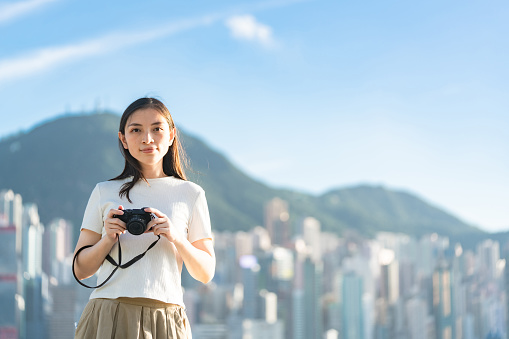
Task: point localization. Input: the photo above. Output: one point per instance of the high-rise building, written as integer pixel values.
(416, 312)
(389, 276)
(277, 221)
(311, 235)
(243, 244)
(307, 315)
(32, 317)
(226, 261)
(250, 271)
(261, 239)
(443, 306)
(8, 282)
(11, 208)
(56, 266)
(352, 310)
(488, 253)
(267, 306)
(57, 250)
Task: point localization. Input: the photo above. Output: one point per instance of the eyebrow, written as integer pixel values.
(136, 124)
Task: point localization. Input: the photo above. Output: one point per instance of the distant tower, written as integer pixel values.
(307, 315)
(32, 317)
(443, 302)
(11, 208)
(489, 254)
(311, 234)
(352, 311)
(57, 257)
(250, 273)
(389, 277)
(416, 313)
(8, 282)
(277, 221)
(57, 247)
(11, 276)
(261, 239)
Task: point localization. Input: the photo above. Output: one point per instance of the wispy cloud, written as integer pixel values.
(12, 10)
(48, 58)
(245, 27)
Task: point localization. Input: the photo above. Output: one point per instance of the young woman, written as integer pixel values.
(145, 299)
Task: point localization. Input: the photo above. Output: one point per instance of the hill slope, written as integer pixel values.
(57, 164)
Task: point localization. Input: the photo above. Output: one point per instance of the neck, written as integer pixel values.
(153, 172)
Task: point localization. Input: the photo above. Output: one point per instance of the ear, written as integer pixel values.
(172, 136)
(122, 139)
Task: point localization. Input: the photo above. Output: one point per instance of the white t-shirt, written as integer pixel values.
(157, 274)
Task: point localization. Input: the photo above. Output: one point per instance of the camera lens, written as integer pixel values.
(136, 226)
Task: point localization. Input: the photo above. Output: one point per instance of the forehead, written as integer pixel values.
(146, 116)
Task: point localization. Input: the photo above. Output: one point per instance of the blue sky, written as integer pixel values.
(309, 95)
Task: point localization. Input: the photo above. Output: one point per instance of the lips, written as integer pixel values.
(148, 150)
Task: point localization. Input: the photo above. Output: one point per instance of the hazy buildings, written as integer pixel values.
(272, 282)
(34, 261)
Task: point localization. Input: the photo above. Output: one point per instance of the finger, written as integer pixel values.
(158, 213)
(114, 228)
(160, 229)
(115, 221)
(113, 212)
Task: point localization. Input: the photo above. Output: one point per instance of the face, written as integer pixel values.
(148, 138)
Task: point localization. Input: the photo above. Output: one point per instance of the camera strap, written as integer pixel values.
(112, 261)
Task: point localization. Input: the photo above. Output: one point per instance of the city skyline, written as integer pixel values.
(409, 96)
(268, 284)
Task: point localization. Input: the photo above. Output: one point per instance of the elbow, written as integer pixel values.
(206, 276)
(81, 276)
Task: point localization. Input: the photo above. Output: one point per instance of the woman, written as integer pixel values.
(144, 300)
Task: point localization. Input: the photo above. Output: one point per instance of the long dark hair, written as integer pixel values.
(174, 160)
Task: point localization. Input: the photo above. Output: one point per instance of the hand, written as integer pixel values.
(114, 227)
(161, 226)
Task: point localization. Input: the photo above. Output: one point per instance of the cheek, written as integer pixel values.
(130, 142)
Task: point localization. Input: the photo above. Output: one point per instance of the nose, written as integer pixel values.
(147, 138)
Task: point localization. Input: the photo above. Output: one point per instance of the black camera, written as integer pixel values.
(136, 220)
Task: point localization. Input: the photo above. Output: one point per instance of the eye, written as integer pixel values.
(157, 129)
(135, 130)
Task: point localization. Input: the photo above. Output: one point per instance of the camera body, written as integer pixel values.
(136, 220)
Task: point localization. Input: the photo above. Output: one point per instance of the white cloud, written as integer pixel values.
(47, 58)
(11, 10)
(245, 27)
(242, 27)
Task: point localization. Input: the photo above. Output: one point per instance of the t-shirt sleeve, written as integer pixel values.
(93, 218)
(199, 223)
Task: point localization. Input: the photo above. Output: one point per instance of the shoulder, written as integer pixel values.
(110, 185)
(180, 184)
(191, 186)
(178, 189)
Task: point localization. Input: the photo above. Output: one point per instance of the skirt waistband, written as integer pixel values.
(146, 302)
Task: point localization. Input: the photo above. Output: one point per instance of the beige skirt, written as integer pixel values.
(132, 318)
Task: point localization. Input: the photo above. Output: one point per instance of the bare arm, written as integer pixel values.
(199, 256)
(90, 259)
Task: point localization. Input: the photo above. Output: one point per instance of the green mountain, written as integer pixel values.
(57, 164)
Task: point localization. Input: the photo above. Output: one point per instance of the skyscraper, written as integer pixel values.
(352, 312)
(443, 306)
(8, 282)
(307, 315)
(311, 236)
(277, 221)
(33, 314)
